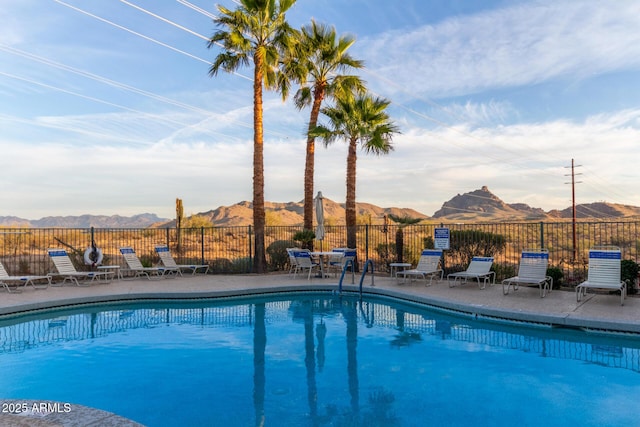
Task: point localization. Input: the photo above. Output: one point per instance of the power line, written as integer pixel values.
(269, 132)
(165, 20)
(197, 9)
(106, 21)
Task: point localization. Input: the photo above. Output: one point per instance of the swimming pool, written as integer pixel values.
(317, 360)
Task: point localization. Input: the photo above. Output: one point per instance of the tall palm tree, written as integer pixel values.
(256, 30)
(360, 119)
(317, 64)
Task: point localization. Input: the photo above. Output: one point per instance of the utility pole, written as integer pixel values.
(573, 204)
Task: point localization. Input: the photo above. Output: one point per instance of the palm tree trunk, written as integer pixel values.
(308, 184)
(350, 205)
(259, 346)
(260, 260)
(309, 167)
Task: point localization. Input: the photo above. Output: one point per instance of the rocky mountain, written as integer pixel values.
(85, 221)
(475, 206)
(291, 213)
(599, 210)
(483, 205)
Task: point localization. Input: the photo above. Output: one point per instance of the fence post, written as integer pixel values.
(541, 235)
(250, 252)
(366, 242)
(167, 235)
(202, 245)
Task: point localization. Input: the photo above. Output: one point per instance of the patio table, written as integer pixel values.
(323, 256)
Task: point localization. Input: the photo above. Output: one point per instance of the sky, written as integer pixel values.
(107, 107)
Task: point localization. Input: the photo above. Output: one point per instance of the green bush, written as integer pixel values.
(629, 274)
(146, 260)
(278, 257)
(305, 237)
(428, 243)
(557, 275)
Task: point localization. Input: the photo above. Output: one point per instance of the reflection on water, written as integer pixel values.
(259, 346)
(410, 327)
(403, 326)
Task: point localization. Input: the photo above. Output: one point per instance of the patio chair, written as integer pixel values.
(478, 269)
(428, 266)
(11, 283)
(168, 261)
(68, 272)
(135, 267)
(303, 260)
(293, 263)
(532, 271)
(341, 259)
(604, 272)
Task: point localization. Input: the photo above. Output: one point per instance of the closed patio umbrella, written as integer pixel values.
(319, 216)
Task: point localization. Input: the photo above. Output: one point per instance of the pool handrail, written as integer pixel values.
(344, 270)
(367, 263)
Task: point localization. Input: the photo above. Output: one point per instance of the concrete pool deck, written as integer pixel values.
(559, 308)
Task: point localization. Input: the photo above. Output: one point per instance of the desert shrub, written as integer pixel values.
(278, 258)
(557, 275)
(146, 260)
(23, 267)
(576, 276)
(241, 265)
(195, 223)
(107, 260)
(386, 253)
(629, 274)
(220, 265)
(428, 243)
(503, 271)
(465, 244)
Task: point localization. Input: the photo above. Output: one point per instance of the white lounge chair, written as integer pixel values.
(293, 263)
(168, 261)
(532, 271)
(479, 269)
(134, 265)
(303, 260)
(604, 272)
(11, 283)
(66, 270)
(428, 266)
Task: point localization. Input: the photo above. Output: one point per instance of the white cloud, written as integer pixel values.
(525, 161)
(517, 45)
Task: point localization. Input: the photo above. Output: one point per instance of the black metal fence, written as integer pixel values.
(230, 249)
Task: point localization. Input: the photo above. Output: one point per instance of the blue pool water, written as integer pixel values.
(317, 360)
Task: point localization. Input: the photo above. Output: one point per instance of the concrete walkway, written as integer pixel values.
(559, 308)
